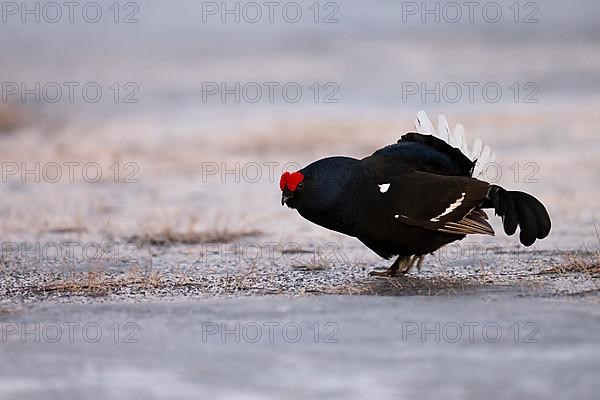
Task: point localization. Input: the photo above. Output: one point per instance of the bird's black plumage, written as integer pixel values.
(409, 199)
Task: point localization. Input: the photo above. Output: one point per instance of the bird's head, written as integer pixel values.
(292, 186)
(316, 187)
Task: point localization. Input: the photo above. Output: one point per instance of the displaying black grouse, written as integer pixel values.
(411, 198)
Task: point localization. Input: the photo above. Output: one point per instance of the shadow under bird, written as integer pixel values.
(410, 198)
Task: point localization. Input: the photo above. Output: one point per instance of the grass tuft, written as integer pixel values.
(586, 263)
(168, 237)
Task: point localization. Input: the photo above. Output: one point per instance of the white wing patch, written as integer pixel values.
(450, 208)
(384, 187)
(456, 139)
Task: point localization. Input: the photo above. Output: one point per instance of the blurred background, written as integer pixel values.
(161, 128)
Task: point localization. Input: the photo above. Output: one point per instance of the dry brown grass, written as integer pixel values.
(168, 237)
(317, 261)
(414, 285)
(586, 263)
(101, 284)
(98, 285)
(10, 118)
(405, 286)
(98, 282)
(91, 285)
(74, 224)
(67, 229)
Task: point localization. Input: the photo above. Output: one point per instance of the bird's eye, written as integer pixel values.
(300, 185)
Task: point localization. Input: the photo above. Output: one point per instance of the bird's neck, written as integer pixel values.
(342, 215)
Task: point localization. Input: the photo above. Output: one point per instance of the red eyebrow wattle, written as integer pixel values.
(283, 180)
(290, 181)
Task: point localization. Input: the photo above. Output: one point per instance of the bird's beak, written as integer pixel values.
(285, 197)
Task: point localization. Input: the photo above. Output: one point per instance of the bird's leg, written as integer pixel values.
(408, 264)
(414, 260)
(400, 262)
(420, 262)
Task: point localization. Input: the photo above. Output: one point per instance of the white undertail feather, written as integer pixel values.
(481, 154)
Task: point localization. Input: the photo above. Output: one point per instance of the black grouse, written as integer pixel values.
(410, 198)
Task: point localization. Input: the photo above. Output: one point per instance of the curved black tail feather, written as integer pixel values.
(522, 209)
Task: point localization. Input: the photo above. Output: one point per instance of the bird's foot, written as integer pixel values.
(387, 273)
(393, 269)
(401, 266)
